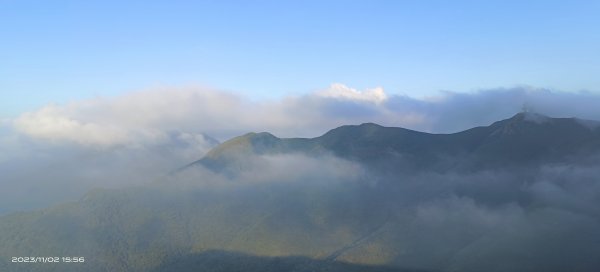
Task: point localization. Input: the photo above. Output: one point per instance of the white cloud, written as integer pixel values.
(54, 123)
(147, 117)
(341, 91)
(136, 119)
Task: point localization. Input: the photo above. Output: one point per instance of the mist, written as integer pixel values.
(130, 161)
(545, 217)
(58, 152)
(325, 207)
(37, 174)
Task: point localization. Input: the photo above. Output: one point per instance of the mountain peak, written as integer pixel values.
(362, 131)
(370, 124)
(528, 118)
(531, 117)
(247, 143)
(260, 136)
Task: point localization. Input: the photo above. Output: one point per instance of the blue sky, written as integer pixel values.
(60, 51)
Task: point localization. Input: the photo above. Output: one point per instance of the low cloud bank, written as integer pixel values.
(60, 151)
(544, 218)
(146, 116)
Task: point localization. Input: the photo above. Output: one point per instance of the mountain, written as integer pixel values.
(521, 194)
(525, 139)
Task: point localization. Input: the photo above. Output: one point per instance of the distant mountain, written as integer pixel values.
(523, 140)
(519, 195)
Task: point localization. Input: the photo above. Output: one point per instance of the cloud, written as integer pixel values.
(54, 123)
(145, 117)
(287, 169)
(343, 92)
(446, 221)
(155, 131)
(134, 119)
(427, 221)
(451, 111)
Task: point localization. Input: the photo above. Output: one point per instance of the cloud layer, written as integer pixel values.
(152, 132)
(543, 217)
(147, 116)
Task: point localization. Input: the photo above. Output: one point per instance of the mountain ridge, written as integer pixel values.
(522, 139)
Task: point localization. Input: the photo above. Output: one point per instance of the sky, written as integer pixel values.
(65, 51)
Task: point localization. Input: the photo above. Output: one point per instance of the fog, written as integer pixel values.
(37, 174)
(60, 151)
(319, 206)
(545, 216)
